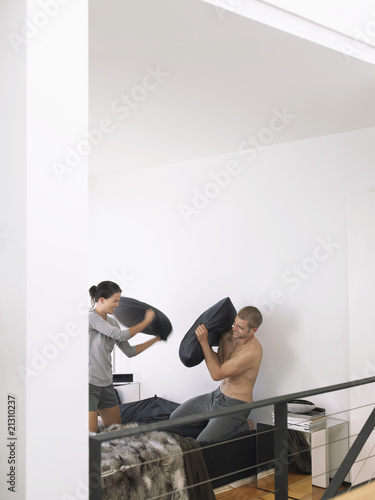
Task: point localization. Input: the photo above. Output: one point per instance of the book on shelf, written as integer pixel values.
(312, 420)
(310, 416)
(315, 425)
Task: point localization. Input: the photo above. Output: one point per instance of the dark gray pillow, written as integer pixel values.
(218, 319)
(131, 312)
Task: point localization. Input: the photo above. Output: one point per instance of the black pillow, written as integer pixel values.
(218, 319)
(131, 312)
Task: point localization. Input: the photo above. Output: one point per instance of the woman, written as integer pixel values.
(104, 334)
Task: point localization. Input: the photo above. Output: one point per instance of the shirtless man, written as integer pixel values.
(236, 364)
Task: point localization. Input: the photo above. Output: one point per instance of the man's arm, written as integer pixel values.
(225, 346)
(230, 368)
(202, 333)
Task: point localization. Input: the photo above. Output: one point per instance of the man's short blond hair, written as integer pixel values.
(252, 315)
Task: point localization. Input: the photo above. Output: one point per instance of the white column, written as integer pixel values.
(44, 263)
(361, 279)
(12, 253)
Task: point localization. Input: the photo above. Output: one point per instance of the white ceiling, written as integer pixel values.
(222, 78)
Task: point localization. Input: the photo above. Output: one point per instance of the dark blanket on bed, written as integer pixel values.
(147, 410)
(156, 409)
(197, 478)
(222, 458)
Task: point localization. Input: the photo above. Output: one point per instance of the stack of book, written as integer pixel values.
(311, 421)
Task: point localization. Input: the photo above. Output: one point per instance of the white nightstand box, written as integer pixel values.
(128, 391)
(325, 448)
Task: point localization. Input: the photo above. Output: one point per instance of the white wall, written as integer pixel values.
(274, 213)
(219, 76)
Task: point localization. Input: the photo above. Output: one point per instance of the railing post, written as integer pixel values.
(95, 477)
(281, 452)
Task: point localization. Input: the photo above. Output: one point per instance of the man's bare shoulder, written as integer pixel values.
(253, 348)
(257, 346)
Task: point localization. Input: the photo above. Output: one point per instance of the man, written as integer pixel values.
(236, 364)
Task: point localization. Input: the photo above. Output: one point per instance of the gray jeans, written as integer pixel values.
(218, 428)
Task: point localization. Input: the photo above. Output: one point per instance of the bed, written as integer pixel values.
(170, 464)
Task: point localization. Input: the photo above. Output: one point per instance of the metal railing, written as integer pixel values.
(280, 440)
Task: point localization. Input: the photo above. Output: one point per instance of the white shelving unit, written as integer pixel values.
(328, 447)
(128, 391)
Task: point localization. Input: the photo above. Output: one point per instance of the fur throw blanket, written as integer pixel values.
(148, 466)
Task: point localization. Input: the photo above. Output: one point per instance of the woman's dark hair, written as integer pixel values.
(105, 289)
